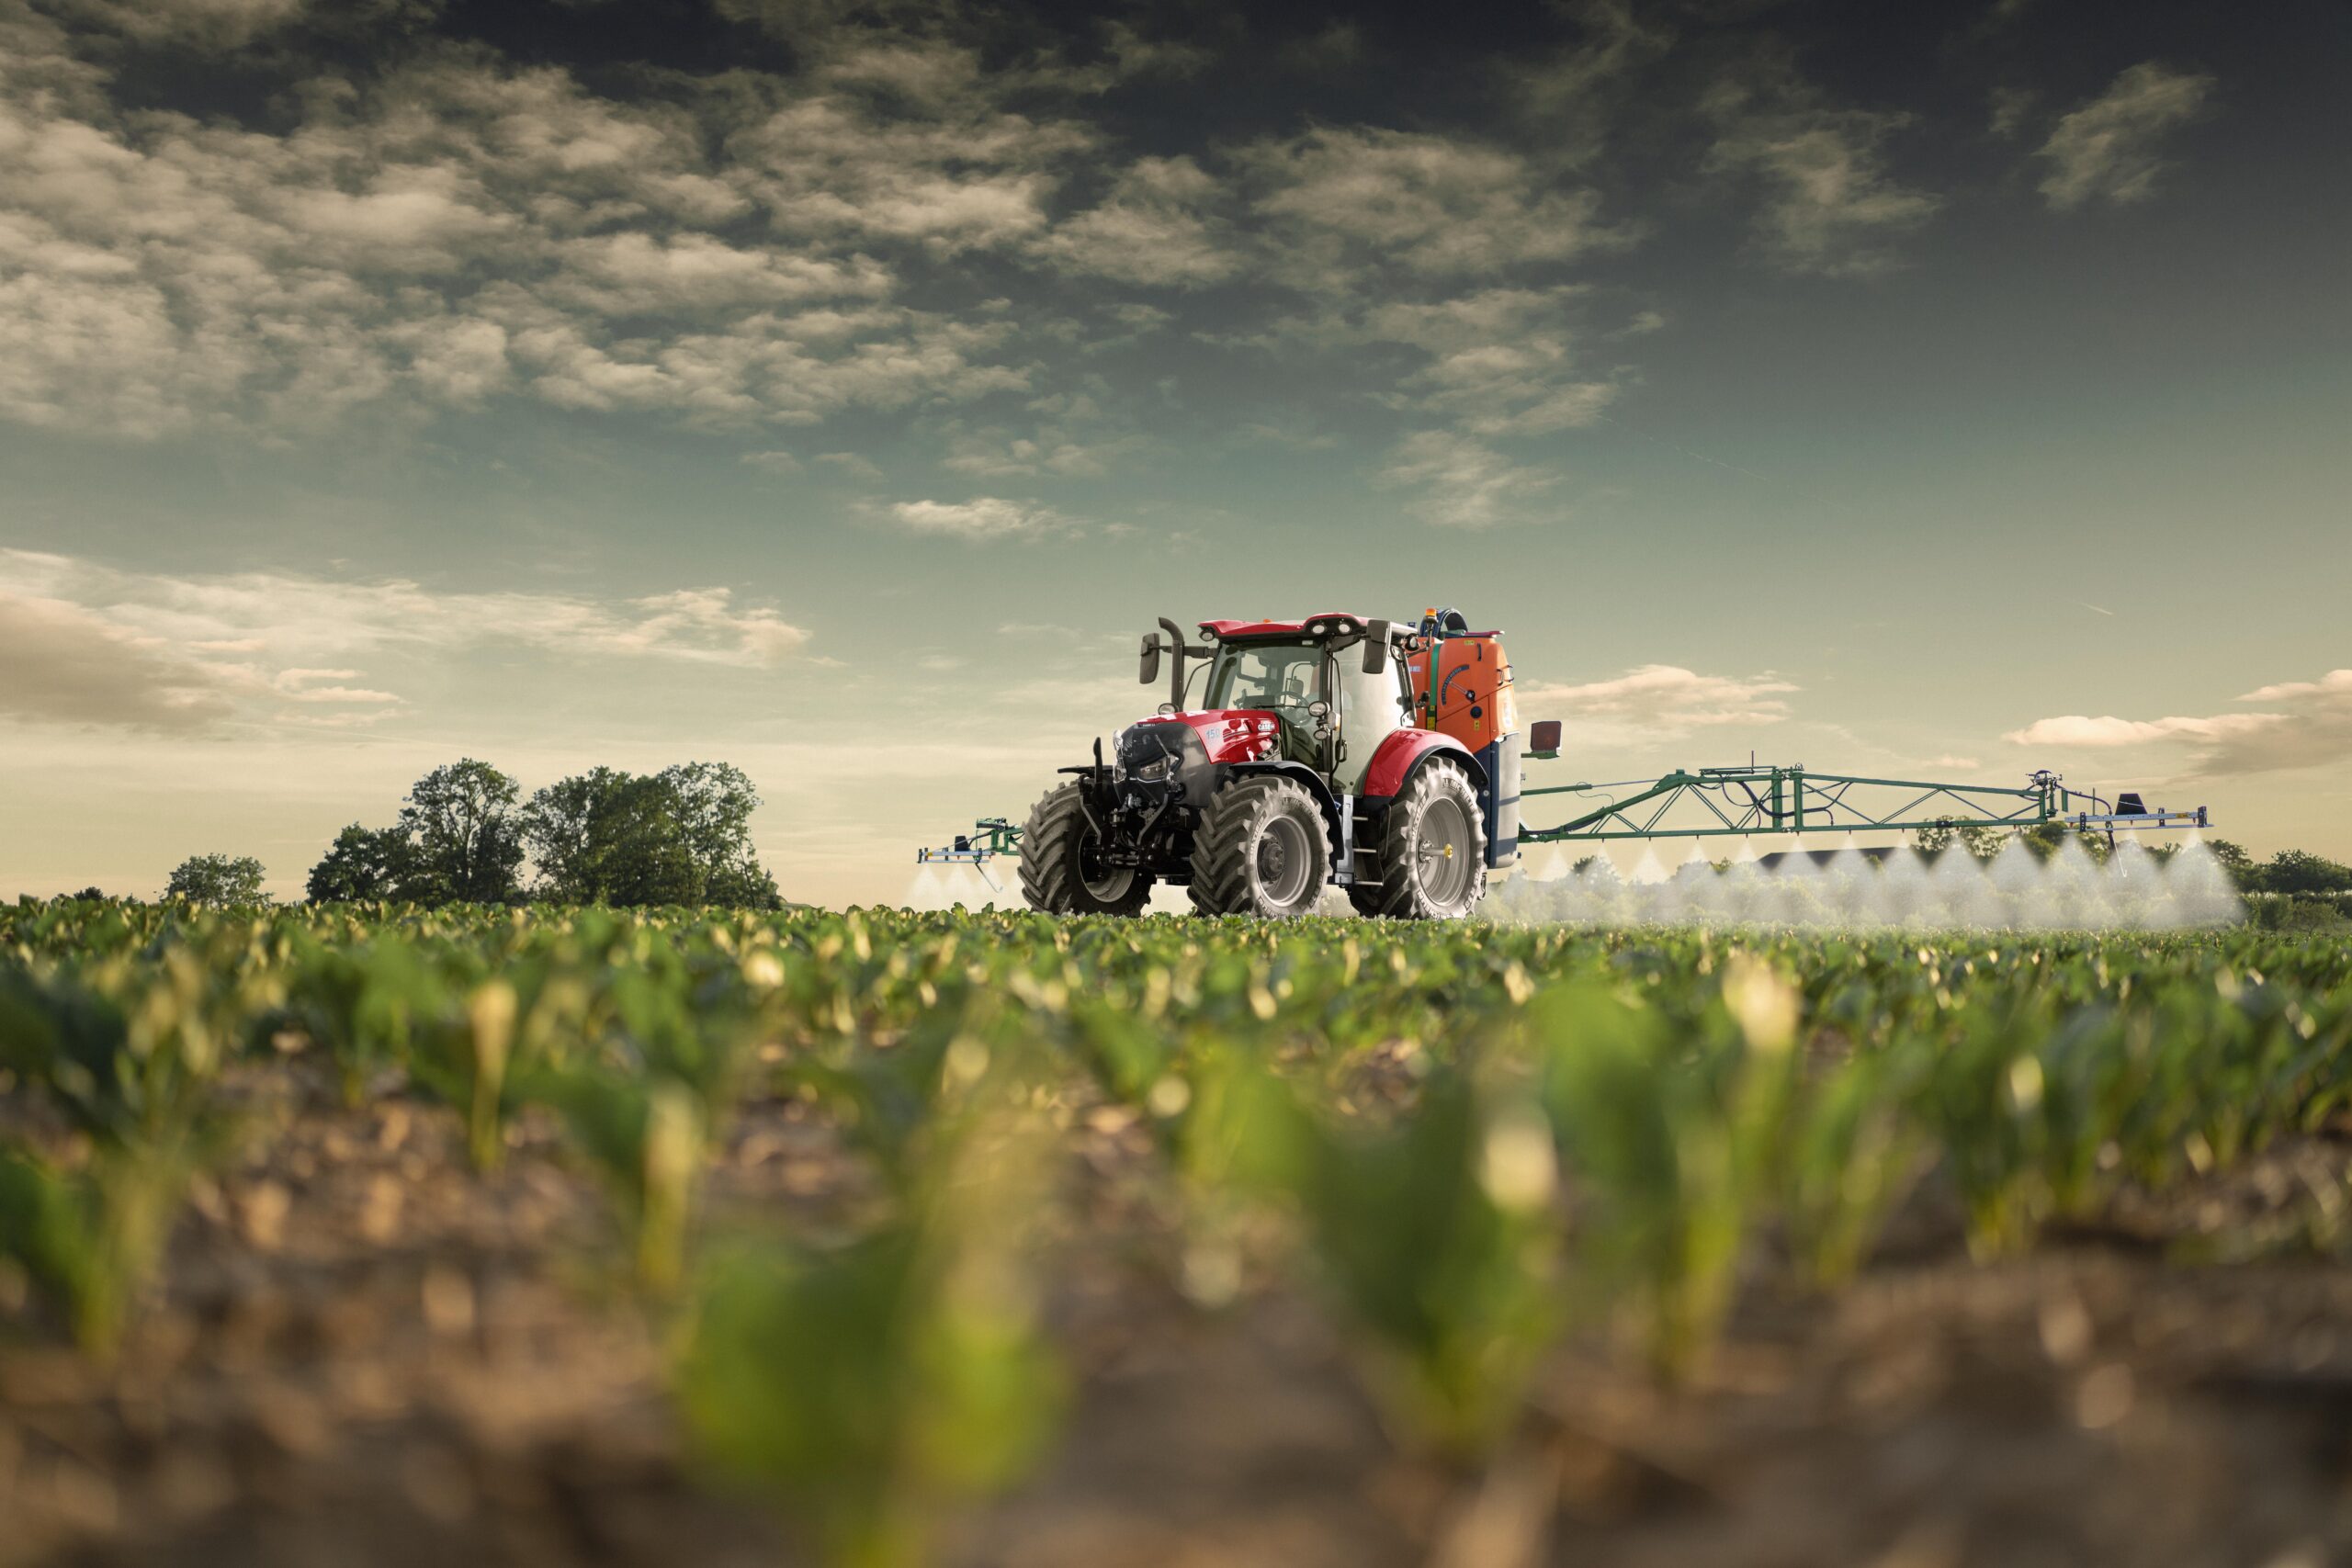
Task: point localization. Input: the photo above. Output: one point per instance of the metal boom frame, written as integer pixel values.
(989, 836)
(1771, 799)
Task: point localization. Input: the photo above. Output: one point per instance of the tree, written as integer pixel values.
(466, 834)
(2045, 841)
(715, 802)
(218, 882)
(2294, 870)
(1980, 840)
(2235, 863)
(747, 885)
(608, 837)
(681, 836)
(365, 865)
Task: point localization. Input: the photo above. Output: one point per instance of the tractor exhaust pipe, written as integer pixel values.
(1177, 652)
(1174, 650)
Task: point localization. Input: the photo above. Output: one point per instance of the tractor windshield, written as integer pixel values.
(1281, 677)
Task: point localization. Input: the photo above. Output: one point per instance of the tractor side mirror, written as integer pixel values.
(1543, 737)
(1150, 660)
(1375, 648)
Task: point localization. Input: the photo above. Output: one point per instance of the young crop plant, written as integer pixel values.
(1853, 1153)
(133, 1074)
(871, 1385)
(645, 1103)
(359, 1005)
(90, 1235)
(1667, 1132)
(464, 1055)
(1438, 1234)
(888, 1099)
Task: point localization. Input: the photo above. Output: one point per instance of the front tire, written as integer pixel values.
(1061, 872)
(1262, 850)
(1433, 848)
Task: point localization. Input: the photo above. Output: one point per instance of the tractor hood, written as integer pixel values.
(1226, 735)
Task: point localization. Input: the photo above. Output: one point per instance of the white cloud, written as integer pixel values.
(1073, 435)
(2080, 729)
(2302, 724)
(302, 685)
(1571, 93)
(1656, 701)
(791, 368)
(1345, 202)
(637, 274)
(1508, 388)
(854, 465)
(2008, 108)
(999, 454)
(1464, 482)
(987, 517)
(1498, 360)
(1829, 205)
(1155, 228)
(906, 140)
(87, 643)
(456, 231)
(210, 24)
(2105, 151)
(60, 662)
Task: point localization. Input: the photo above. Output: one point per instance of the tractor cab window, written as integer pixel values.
(1281, 677)
(1371, 706)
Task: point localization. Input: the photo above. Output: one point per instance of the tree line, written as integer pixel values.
(464, 835)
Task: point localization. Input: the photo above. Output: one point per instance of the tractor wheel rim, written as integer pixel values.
(1283, 861)
(1442, 853)
(1104, 884)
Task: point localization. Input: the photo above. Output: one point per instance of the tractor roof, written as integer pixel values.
(1330, 623)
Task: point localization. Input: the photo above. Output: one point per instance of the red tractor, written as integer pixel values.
(1295, 756)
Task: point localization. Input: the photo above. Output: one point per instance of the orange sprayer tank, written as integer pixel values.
(1471, 699)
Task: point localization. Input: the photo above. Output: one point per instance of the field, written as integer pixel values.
(479, 1235)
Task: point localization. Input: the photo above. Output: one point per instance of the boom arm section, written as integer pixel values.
(990, 837)
(1719, 802)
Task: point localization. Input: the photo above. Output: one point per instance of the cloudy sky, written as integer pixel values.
(839, 390)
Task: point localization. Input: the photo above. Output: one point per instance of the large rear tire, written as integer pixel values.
(1060, 871)
(1262, 850)
(1433, 848)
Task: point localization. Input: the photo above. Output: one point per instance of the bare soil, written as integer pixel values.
(362, 1353)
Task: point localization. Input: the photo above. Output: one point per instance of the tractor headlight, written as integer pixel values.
(1155, 770)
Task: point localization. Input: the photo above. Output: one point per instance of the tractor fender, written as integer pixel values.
(1404, 752)
(1316, 785)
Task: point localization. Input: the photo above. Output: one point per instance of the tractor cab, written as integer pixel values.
(1333, 710)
